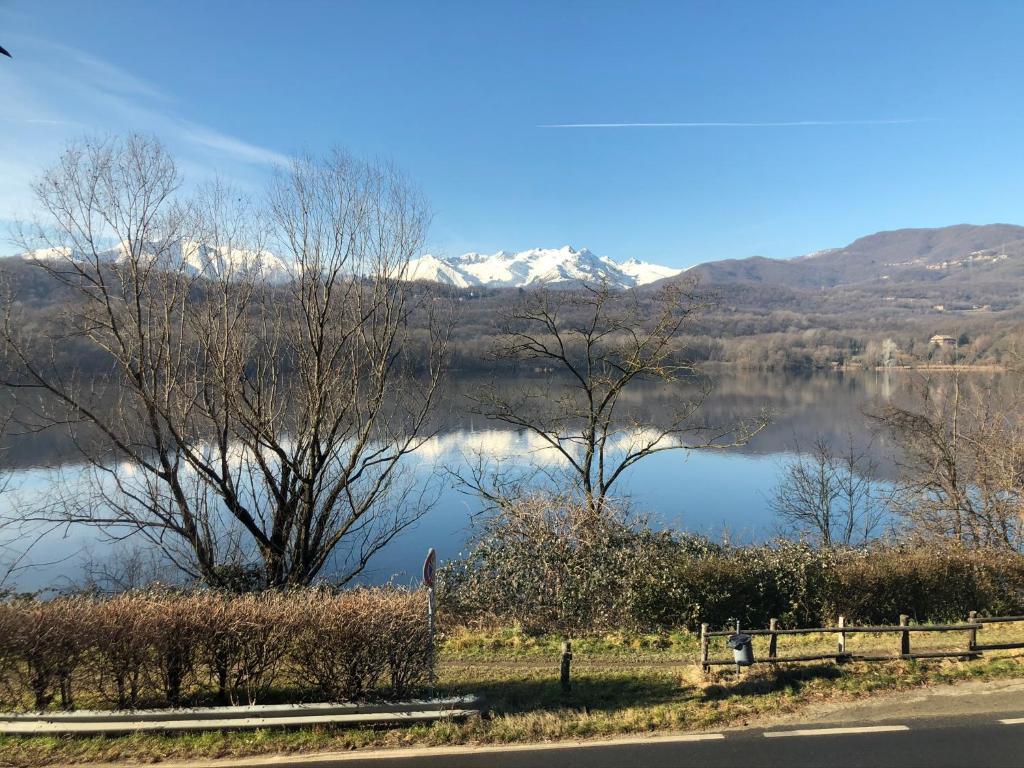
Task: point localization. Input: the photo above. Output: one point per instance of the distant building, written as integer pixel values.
(942, 341)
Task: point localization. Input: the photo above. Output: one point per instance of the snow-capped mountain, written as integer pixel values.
(553, 267)
(197, 258)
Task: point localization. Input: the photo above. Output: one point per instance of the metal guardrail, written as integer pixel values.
(86, 722)
(905, 629)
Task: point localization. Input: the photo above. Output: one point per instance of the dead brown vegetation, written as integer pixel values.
(159, 648)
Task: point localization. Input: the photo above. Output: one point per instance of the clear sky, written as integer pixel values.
(821, 121)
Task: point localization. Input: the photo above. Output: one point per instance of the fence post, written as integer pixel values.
(566, 661)
(704, 643)
(431, 608)
(841, 641)
(972, 638)
(773, 641)
(905, 635)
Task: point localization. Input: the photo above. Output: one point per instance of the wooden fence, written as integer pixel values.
(904, 629)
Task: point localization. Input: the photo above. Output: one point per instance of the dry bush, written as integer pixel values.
(409, 657)
(70, 617)
(264, 627)
(244, 639)
(42, 645)
(337, 650)
(176, 626)
(8, 653)
(218, 648)
(151, 646)
(351, 643)
(123, 642)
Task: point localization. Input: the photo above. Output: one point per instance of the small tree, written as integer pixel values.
(962, 465)
(830, 495)
(600, 343)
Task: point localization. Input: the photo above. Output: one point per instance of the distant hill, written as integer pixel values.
(953, 259)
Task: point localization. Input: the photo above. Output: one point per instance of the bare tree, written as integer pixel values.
(598, 344)
(831, 494)
(10, 554)
(962, 466)
(257, 407)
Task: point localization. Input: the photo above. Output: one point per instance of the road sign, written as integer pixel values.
(428, 568)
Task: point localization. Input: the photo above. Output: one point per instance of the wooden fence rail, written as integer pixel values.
(904, 629)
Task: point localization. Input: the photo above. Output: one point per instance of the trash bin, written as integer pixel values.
(742, 649)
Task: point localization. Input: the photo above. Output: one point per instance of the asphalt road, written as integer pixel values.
(977, 723)
(932, 743)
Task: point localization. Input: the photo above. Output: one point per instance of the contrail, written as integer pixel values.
(787, 124)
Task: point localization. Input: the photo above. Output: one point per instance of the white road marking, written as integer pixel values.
(1013, 721)
(837, 731)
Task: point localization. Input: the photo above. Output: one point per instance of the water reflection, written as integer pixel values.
(712, 492)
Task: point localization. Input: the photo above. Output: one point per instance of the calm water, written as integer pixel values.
(717, 493)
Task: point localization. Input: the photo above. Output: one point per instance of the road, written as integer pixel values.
(974, 741)
(973, 724)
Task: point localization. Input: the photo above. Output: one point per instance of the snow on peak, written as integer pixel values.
(553, 267)
(564, 267)
(195, 257)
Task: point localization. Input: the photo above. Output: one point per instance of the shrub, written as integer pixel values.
(931, 583)
(177, 626)
(150, 646)
(551, 565)
(786, 580)
(41, 645)
(123, 645)
(408, 640)
(260, 631)
(547, 567)
(363, 640)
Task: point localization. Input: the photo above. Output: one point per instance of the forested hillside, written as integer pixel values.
(875, 302)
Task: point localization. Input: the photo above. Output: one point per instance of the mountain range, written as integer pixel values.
(967, 266)
(964, 264)
(197, 258)
(552, 267)
(830, 307)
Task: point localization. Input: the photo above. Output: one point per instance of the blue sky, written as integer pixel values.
(916, 109)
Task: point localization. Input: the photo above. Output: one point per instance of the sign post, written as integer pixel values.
(429, 566)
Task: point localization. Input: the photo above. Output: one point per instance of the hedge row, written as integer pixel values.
(159, 648)
(804, 586)
(554, 569)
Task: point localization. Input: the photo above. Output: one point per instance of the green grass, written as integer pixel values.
(461, 644)
(622, 684)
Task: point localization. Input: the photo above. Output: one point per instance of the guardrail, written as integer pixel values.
(904, 629)
(89, 722)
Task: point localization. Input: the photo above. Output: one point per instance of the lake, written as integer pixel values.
(719, 493)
